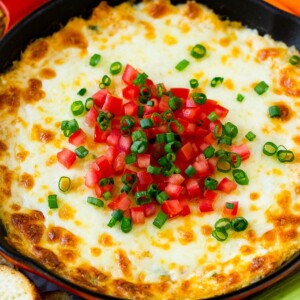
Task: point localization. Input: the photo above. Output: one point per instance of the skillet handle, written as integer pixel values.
(15, 11)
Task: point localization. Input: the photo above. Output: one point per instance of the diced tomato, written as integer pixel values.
(111, 153)
(131, 108)
(119, 163)
(115, 123)
(226, 185)
(202, 168)
(164, 103)
(120, 202)
(77, 138)
(242, 150)
(192, 113)
(173, 190)
(157, 93)
(193, 188)
(100, 136)
(125, 143)
(144, 177)
(213, 163)
(149, 209)
(187, 152)
(113, 138)
(131, 92)
(91, 117)
(113, 104)
(209, 195)
(209, 139)
(137, 215)
(171, 207)
(221, 111)
(231, 211)
(151, 109)
(104, 166)
(143, 160)
(209, 106)
(175, 179)
(129, 74)
(92, 178)
(185, 207)
(182, 93)
(99, 97)
(205, 206)
(66, 157)
(212, 125)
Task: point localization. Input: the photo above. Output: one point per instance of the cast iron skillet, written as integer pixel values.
(51, 16)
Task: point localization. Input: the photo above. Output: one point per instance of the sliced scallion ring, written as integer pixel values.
(220, 234)
(239, 224)
(223, 223)
(64, 184)
(269, 148)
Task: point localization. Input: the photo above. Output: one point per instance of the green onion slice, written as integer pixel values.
(95, 59)
(285, 155)
(199, 98)
(182, 65)
(198, 51)
(69, 127)
(224, 164)
(209, 152)
(142, 197)
(153, 170)
(138, 147)
(250, 136)
(239, 224)
(52, 201)
(210, 183)
(115, 68)
(64, 184)
(231, 129)
(216, 81)
(240, 177)
(223, 223)
(160, 220)
(81, 152)
(240, 97)
(175, 127)
(106, 195)
(105, 82)
(294, 60)
(194, 83)
(130, 158)
(126, 225)
(269, 148)
(175, 103)
(274, 111)
(212, 116)
(162, 197)
(220, 234)
(95, 201)
(89, 103)
(77, 108)
(81, 92)
(261, 88)
(190, 171)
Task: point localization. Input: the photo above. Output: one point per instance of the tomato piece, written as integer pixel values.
(137, 214)
(171, 207)
(131, 92)
(66, 157)
(144, 177)
(192, 113)
(120, 202)
(202, 168)
(205, 206)
(221, 111)
(115, 124)
(125, 143)
(151, 109)
(164, 103)
(104, 166)
(182, 93)
(193, 188)
(149, 209)
(77, 138)
(113, 138)
(242, 150)
(99, 97)
(91, 117)
(111, 154)
(209, 195)
(173, 190)
(231, 211)
(143, 160)
(187, 152)
(185, 207)
(92, 178)
(209, 138)
(175, 179)
(129, 74)
(113, 104)
(119, 163)
(100, 136)
(226, 185)
(131, 108)
(209, 106)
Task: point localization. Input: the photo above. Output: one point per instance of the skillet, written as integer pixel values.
(51, 16)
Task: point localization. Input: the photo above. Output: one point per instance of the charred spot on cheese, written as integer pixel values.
(284, 200)
(10, 99)
(34, 91)
(72, 37)
(26, 180)
(3, 148)
(186, 235)
(124, 262)
(289, 81)
(254, 196)
(38, 50)
(22, 155)
(38, 133)
(62, 236)
(96, 251)
(68, 255)
(192, 10)
(47, 257)
(66, 212)
(15, 207)
(85, 274)
(47, 73)
(158, 9)
(105, 240)
(6, 177)
(264, 54)
(247, 250)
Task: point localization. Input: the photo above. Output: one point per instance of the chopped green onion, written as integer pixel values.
(140, 79)
(236, 159)
(274, 111)
(175, 127)
(157, 119)
(117, 215)
(225, 140)
(106, 195)
(175, 103)
(69, 127)
(153, 170)
(153, 190)
(142, 197)
(89, 102)
(95, 59)
(216, 81)
(139, 135)
(150, 103)
(285, 156)
(140, 111)
(294, 60)
(127, 122)
(194, 83)
(219, 131)
(146, 123)
(223, 223)
(212, 116)
(160, 220)
(81, 92)
(64, 184)
(210, 183)
(239, 224)
(126, 188)
(126, 225)
(229, 205)
(198, 51)
(261, 88)
(240, 97)
(162, 197)
(223, 165)
(171, 157)
(250, 136)
(95, 201)
(115, 68)
(199, 98)
(145, 93)
(105, 82)
(182, 65)
(220, 234)
(190, 171)
(77, 108)
(269, 148)
(138, 147)
(130, 158)
(93, 27)
(129, 179)
(209, 152)
(167, 115)
(159, 90)
(240, 177)
(106, 181)
(172, 147)
(169, 169)
(52, 201)
(81, 152)
(231, 130)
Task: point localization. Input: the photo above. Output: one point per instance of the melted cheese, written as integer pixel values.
(182, 260)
